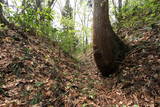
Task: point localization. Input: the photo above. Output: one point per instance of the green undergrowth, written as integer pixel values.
(138, 14)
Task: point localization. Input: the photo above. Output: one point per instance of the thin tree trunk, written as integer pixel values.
(2, 18)
(50, 3)
(39, 4)
(119, 5)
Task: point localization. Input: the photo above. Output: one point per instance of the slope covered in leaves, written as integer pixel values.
(34, 71)
(136, 84)
(139, 78)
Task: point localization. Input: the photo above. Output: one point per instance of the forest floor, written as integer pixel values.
(35, 72)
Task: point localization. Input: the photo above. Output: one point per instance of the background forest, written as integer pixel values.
(69, 23)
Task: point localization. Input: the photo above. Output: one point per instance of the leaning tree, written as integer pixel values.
(109, 50)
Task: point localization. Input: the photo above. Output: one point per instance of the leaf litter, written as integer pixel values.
(35, 71)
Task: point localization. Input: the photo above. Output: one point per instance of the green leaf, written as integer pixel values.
(38, 84)
(135, 105)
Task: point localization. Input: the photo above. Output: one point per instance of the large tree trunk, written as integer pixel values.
(109, 50)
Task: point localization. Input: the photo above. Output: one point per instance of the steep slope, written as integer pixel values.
(32, 70)
(35, 71)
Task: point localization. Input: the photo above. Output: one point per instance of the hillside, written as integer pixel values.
(32, 70)
(35, 71)
(46, 53)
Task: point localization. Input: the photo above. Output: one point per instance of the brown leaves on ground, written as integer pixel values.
(34, 71)
(139, 78)
(31, 70)
(137, 83)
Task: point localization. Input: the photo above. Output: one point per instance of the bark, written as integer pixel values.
(119, 5)
(2, 18)
(109, 50)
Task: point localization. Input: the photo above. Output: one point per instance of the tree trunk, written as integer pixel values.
(2, 18)
(50, 3)
(109, 50)
(39, 4)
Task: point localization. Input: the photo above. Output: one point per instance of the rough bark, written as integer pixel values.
(109, 50)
